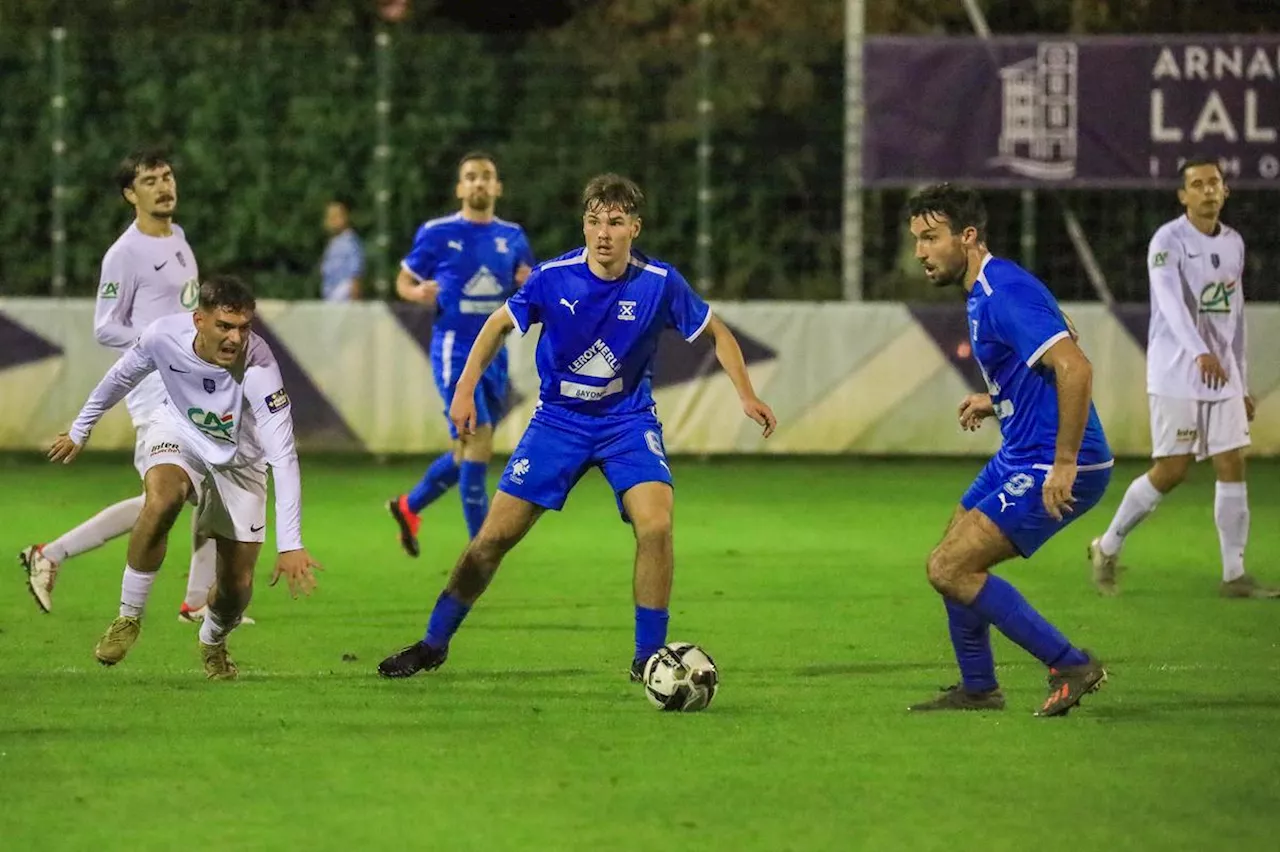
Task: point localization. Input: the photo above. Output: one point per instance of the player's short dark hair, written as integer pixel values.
(227, 292)
(610, 190)
(346, 201)
(961, 206)
(477, 155)
(1195, 162)
(139, 160)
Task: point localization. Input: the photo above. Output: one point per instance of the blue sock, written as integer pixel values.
(971, 637)
(1002, 605)
(446, 618)
(439, 478)
(475, 497)
(651, 631)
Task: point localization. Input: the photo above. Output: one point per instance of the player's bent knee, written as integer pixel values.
(945, 572)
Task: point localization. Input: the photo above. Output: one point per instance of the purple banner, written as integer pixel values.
(1118, 112)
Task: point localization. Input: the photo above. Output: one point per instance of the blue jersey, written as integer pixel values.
(595, 355)
(1013, 320)
(475, 266)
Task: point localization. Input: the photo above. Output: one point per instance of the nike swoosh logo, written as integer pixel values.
(256, 529)
(176, 370)
(162, 266)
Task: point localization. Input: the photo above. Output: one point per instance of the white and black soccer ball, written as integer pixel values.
(680, 677)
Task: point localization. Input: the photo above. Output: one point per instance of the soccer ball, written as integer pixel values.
(680, 677)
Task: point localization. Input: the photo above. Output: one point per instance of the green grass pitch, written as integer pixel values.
(804, 579)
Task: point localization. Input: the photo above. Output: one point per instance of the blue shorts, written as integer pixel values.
(556, 450)
(1012, 497)
(448, 357)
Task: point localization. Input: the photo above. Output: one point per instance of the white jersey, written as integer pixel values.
(143, 279)
(231, 418)
(1197, 307)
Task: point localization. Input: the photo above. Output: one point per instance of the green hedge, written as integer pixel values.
(265, 127)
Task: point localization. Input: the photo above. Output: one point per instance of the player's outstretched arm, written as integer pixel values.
(123, 377)
(462, 408)
(729, 354)
(1073, 376)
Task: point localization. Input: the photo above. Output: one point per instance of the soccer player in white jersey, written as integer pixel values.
(1197, 382)
(225, 419)
(148, 273)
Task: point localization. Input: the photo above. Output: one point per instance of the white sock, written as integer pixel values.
(1231, 514)
(1139, 501)
(134, 591)
(211, 630)
(115, 520)
(204, 570)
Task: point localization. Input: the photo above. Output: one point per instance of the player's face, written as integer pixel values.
(335, 218)
(154, 192)
(609, 233)
(221, 335)
(1203, 191)
(940, 250)
(478, 184)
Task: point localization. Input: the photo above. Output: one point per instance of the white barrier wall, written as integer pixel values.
(842, 378)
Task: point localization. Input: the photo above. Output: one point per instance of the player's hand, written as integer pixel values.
(1211, 371)
(295, 566)
(1249, 408)
(1057, 490)
(462, 411)
(759, 411)
(65, 450)
(425, 292)
(975, 408)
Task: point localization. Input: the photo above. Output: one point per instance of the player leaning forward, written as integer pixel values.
(226, 418)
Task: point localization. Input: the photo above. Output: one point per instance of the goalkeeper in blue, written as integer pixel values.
(1053, 464)
(602, 309)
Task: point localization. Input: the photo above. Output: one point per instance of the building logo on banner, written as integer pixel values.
(1039, 114)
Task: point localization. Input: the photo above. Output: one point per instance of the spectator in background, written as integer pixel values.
(342, 266)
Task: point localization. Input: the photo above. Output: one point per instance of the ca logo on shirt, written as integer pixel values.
(1215, 298)
(1159, 259)
(110, 290)
(217, 427)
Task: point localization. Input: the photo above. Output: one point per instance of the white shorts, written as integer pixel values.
(1184, 427)
(230, 500)
(143, 402)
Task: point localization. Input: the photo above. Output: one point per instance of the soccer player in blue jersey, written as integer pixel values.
(465, 266)
(1053, 465)
(602, 308)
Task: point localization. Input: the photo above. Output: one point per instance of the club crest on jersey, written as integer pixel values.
(217, 427)
(626, 310)
(278, 401)
(500, 245)
(182, 261)
(210, 385)
(110, 290)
